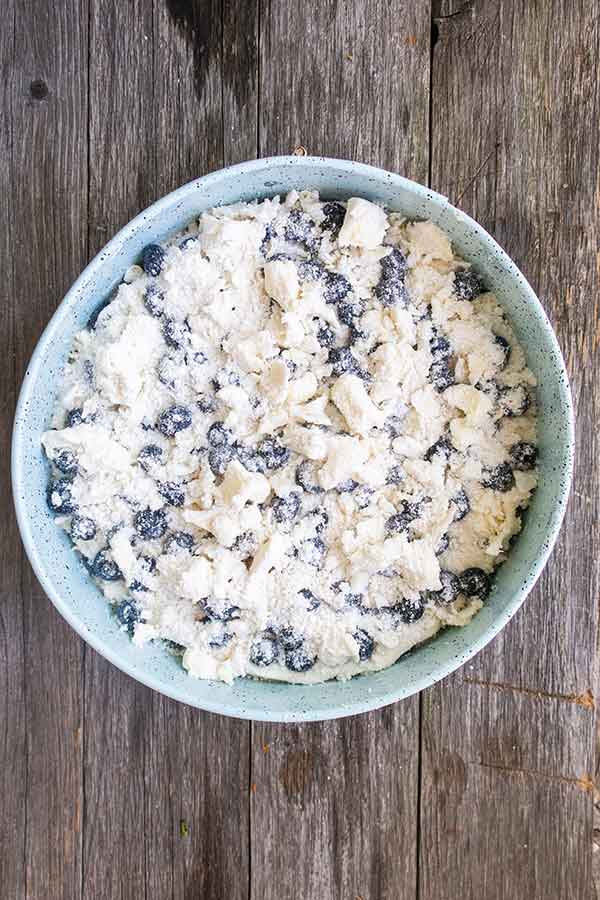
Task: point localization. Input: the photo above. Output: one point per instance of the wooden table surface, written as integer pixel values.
(481, 787)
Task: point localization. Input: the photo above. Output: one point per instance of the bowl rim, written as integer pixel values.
(369, 702)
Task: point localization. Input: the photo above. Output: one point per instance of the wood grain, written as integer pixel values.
(336, 803)
(514, 166)
(49, 205)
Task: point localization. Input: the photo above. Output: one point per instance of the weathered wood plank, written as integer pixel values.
(12, 668)
(336, 803)
(177, 804)
(502, 726)
(49, 210)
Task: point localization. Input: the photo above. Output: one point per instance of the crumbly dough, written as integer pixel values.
(297, 441)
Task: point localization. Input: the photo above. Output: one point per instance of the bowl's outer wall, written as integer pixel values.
(62, 574)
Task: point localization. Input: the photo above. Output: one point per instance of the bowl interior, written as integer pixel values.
(66, 581)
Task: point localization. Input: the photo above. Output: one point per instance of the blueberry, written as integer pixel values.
(150, 523)
(462, 504)
(500, 478)
(128, 614)
(174, 419)
(137, 586)
(219, 435)
(59, 496)
(217, 641)
(226, 614)
(268, 236)
(394, 264)
(88, 371)
(451, 588)
(220, 457)
(177, 541)
(505, 347)
(346, 487)
(265, 650)
(395, 475)
(66, 462)
(154, 301)
(356, 335)
(366, 644)
(300, 229)
(343, 361)
(441, 374)
(362, 496)
(306, 473)
(104, 567)
(334, 213)
(442, 448)
(467, 284)
(313, 551)
(250, 459)
(299, 660)
(150, 457)
(206, 404)
(326, 336)
(147, 564)
(225, 378)
(348, 312)
(289, 639)
(408, 611)
(475, 583)
(174, 332)
(273, 453)
(93, 319)
(245, 544)
(188, 242)
(400, 521)
(74, 417)
(83, 528)
(285, 509)
(391, 292)
(168, 371)
(153, 257)
(393, 426)
(513, 401)
(523, 456)
(172, 492)
(312, 600)
(199, 357)
(439, 345)
(337, 287)
(320, 519)
(310, 270)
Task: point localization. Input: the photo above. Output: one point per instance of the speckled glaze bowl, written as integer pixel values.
(64, 577)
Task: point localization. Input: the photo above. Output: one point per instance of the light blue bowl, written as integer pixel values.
(64, 578)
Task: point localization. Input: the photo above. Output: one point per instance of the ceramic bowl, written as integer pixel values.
(63, 576)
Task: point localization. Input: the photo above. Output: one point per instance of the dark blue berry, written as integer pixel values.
(347, 486)
(219, 435)
(265, 650)
(245, 544)
(206, 404)
(150, 523)
(250, 459)
(319, 517)
(505, 347)
(395, 475)
(439, 345)
(59, 496)
(441, 374)
(300, 229)
(154, 301)
(88, 371)
(273, 453)
(523, 456)
(462, 504)
(75, 417)
(299, 660)
(285, 509)
(306, 477)
(326, 336)
(334, 213)
(310, 270)
(337, 287)
(348, 312)
(93, 319)
(174, 419)
(366, 644)
(451, 588)
(188, 242)
(343, 361)
(220, 457)
(408, 611)
(103, 566)
(172, 492)
(150, 457)
(153, 257)
(513, 401)
(128, 615)
(218, 641)
(393, 426)
(313, 551)
(467, 284)
(442, 448)
(400, 521)
(442, 544)
(224, 378)
(391, 292)
(179, 540)
(174, 332)
(168, 371)
(312, 600)
(289, 639)
(362, 496)
(475, 583)
(394, 264)
(83, 528)
(138, 587)
(66, 462)
(226, 614)
(500, 478)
